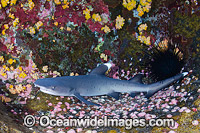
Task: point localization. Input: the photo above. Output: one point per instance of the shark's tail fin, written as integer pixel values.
(153, 88)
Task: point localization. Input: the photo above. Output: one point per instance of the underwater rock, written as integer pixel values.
(8, 122)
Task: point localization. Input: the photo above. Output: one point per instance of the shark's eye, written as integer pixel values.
(53, 87)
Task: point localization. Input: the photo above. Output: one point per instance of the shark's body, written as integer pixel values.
(96, 83)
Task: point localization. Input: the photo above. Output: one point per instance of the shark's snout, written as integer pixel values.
(44, 85)
(39, 85)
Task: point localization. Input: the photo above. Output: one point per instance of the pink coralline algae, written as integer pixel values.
(175, 126)
(195, 122)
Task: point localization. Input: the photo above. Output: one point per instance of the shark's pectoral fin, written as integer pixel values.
(101, 70)
(137, 78)
(133, 94)
(115, 95)
(77, 95)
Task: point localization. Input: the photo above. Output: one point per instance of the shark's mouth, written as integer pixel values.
(43, 89)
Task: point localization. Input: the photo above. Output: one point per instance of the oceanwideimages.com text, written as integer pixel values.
(45, 121)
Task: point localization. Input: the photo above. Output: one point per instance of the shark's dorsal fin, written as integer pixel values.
(100, 70)
(137, 78)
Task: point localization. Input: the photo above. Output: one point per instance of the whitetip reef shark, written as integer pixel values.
(96, 84)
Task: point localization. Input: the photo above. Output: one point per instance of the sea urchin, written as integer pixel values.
(165, 63)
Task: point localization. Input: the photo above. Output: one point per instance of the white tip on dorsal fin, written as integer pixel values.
(109, 65)
(100, 70)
